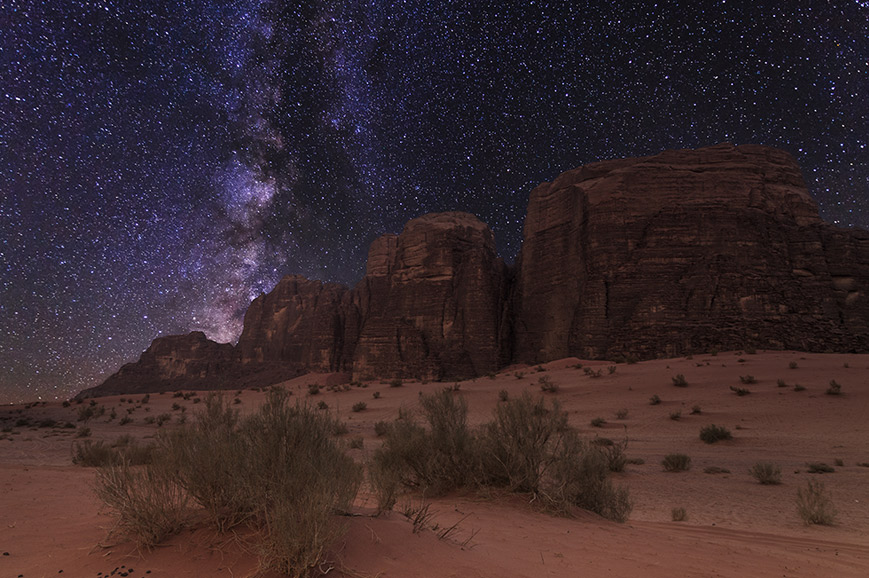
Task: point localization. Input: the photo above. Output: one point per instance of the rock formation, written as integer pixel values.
(685, 251)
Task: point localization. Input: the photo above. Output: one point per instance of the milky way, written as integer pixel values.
(165, 162)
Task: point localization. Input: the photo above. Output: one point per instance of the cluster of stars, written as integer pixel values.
(162, 163)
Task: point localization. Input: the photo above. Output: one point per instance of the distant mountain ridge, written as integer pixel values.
(685, 251)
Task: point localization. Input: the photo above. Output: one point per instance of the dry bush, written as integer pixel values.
(147, 502)
(766, 473)
(815, 505)
(94, 454)
(715, 433)
(679, 514)
(676, 463)
(680, 381)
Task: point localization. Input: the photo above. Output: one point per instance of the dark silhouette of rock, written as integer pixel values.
(685, 251)
(718, 248)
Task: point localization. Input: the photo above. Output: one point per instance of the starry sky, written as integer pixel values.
(162, 163)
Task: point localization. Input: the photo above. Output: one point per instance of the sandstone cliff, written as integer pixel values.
(718, 248)
(685, 251)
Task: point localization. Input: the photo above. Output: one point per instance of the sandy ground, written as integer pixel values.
(51, 523)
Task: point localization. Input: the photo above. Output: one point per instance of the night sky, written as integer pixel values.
(163, 163)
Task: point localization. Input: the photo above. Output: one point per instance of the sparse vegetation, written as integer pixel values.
(766, 473)
(747, 379)
(680, 381)
(676, 462)
(654, 400)
(396, 383)
(598, 422)
(503, 395)
(679, 514)
(740, 391)
(793, 365)
(835, 388)
(313, 389)
(359, 406)
(714, 433)
(798, 387)
(611, 369)
(622, 413)
(815, 505)
(696, 410)
(125, 449)
(547, 385)
(781, 383)
(819, 468)
(676, 415)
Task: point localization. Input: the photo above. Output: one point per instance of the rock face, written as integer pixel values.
(431, 301)
(189, 361)
(685, 251)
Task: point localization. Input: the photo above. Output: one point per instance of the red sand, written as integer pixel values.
(51, 521)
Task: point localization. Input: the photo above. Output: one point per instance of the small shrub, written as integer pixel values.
(359, 406)
(125, 449)
(48, 422)
(798, 387)
(376, 395)
(820, 468)
(356, 443)
(313, 388)
(503, 395)
(781, 383)
(740, 391)
(339, 428)
(835, 388)
(518, 374)
(766, 473)
(815, 505)
(381, 428)
(176, 406)
(679, 514)
(622, 413)
(125, 420)
(793, 365)
(696, 410)
(863, 464)
(839, 462)
(747, 379)
(83, 432)
(163, 418)
(676, 462)
(396, 383)
(322, 405)
(146, 398)
(680, 381)
(547, 385)
(611, 369)
(635, 461)
(715, 433)
(598, 422)
(676, 415)
(654, 400)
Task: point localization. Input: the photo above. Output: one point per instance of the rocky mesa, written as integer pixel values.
(685, 251)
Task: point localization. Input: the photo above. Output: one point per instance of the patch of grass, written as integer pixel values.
(676, 462)
(83, 432)
(781, 383)
(679, 514)
(125, 449)
(676, 415)
(798, 387)
(679, 381)
(598, 422)
(740, 391)
(654, 400)
(820, 468)
(622, 413)
(793, 365)
(766, 473)
(747, 379)
(835, 388)
(396, 383)
(815, 505)
(376, 395)
(715, 433)
(322, 405)
(359, 406)
(696, 410)
(381, 428)
(313, 389)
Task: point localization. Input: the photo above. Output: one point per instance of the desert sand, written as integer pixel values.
(52, 524)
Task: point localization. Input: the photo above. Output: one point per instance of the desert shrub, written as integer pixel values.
(396, 383)
(835, 388)
(676, 462)
(598, 422)
(85, 413)
(676, 415)
(793, 365)
(359, 406)
(125, 449)
(679, 514)
(740, 391)
(622, 413)
(83, 432)
(611, 369)
(438, 459)
(798, 387)
(163, 418)
(747, 379)
(322, 405)
(313, 389)
(781, 383)
(839, 462)
(815, 505)
(381, 428)
(680, 381)
(147, 502)
(547, 385)
(615, 455)
(125, 420)
(176, 406)
(654, 400)
(766, 473)
(714, 433)
(819, 468)
(696, 410)
(47, 422)
(503, 395)
(356, 443)
(339, 428)
(147, 398)
(376, 395)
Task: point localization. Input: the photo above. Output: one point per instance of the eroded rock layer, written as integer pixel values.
(718, 248)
